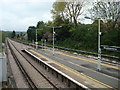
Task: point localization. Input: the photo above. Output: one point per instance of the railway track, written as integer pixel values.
(30, 81)
(68, 80)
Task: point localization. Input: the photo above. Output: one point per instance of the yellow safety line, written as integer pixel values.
(86, 60)
(72, 70)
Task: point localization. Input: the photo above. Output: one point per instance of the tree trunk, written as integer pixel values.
(75, 21)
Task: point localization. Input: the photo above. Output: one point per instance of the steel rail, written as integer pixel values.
(26, 76)
(36, 68)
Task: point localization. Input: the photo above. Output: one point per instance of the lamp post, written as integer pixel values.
(45, 44)
(42, 43)
(36, 39)
(99, 49)
(33, 43)
(53, 41)
(54, 36)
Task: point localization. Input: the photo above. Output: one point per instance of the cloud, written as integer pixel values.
(11, 1)
(20, 14)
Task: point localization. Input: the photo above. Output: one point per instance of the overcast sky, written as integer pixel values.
(18, 15)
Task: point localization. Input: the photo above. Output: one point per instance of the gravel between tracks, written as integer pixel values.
(38, 79)
(18, 77)
(51, 77)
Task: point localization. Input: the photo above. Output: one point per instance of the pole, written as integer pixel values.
(53, 40)
(45, 44)
(36, 38)
(33, 43)
(42, 43)
(53, 36)
(99, 49)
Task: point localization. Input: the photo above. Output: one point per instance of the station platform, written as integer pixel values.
(77, 76)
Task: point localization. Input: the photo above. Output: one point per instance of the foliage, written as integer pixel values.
(108, 11)
(80, 36)
(7, 33)
(0, 36)
(41, 29)
(31, 33)
(13, 34)
(63, 33)
(83, 37)
(68, 10)
(40, 24)
(3, 37)
(111, 38)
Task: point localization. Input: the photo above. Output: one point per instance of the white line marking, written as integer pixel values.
(93, 70)
(84, 67)
(60, 72)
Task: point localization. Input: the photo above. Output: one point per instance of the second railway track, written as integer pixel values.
(32, 78)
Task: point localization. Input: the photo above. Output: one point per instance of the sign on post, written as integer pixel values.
(36, 42)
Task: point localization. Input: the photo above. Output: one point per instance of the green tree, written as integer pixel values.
(3, 37)
(108, 11)
(68, 10)
(41, 29)
(31, 33)
(40, 24)
(18, 35)
(13, 34)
